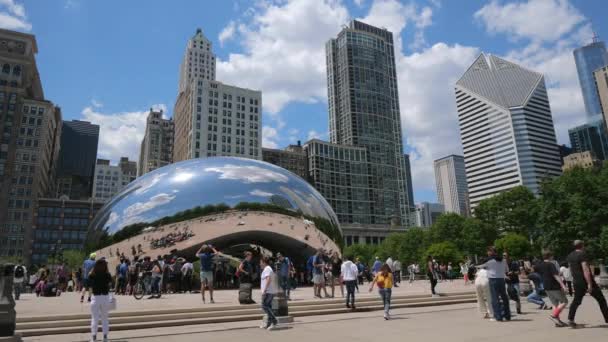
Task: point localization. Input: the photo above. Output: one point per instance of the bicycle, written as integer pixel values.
(142, 286)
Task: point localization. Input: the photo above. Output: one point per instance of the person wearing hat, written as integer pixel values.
(87, 266)
(582, 279)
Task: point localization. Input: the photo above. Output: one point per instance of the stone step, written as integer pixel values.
(245, 310)
(144, 322)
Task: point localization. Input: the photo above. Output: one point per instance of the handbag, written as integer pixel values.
(111, 302)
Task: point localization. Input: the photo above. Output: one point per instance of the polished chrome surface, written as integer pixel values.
(162, 196)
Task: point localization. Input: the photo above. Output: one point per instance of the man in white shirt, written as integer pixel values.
(497, 271)
(397, 272)
(268, 291)
(19, 276)
(348, 275)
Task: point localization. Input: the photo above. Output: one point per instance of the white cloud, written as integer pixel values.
(284, 51)
(537, 20)
(12, 16)
(132, 214)
(260, 193)
(248, 174)
(269, 137)
(359, 2)
(312, 134)
(227, 33)
(120, 133)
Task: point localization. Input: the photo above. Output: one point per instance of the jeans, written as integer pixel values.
(350, 292)
(412, 276)
(18, 287)
(580, 290)
(155, 285)
(385, 294)
(267, 308)
(500, 299)
(284, 279)
(100, 306)
(535, 298)
(514, 288)
(397, 276)
(569, 285)
(433, 280)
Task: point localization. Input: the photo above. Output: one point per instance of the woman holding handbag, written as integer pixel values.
(384, 281)
(100, 281)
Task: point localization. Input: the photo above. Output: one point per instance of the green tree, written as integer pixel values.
(443, 252)
(574, 206)
(407, 247)
(516, 245)
(73, 259)
(366, 253)
(513, 211)
(476, 237)
(448, 227)
(604, 243)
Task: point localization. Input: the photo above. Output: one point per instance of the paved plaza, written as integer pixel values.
(460, 322)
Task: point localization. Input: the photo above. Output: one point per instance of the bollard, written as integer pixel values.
(8, 315)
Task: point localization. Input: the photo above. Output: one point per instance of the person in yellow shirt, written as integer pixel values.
(384, 281)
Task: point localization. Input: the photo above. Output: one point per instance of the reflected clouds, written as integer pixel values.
(248, 174)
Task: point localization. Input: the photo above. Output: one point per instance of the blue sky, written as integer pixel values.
(110, 61)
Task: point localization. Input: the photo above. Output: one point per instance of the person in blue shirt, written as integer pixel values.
(206, 254)
(376, 267)
(87, 267)
(285, 272)
(122, 277)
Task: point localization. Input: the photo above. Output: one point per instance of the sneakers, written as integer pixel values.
(558, 322)
(543, 306)
(348, 306)
(572, 324)
(89, 300)
(212, 301)
(105, 338)
(272, 327)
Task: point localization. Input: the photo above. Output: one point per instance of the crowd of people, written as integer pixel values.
(497, 281)
(170, 239)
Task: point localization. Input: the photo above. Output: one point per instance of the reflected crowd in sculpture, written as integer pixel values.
(225, 201)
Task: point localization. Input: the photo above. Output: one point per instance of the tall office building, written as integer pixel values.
(506, 128)
(212, 118)
(29, 145)
(157, 146)
(427, 213)
(601, 81)
(451, 182)
(77, 158)
(591, 137)
(292, 158)
(588, 59)
(408, 181)
(364, 112)
(111, 179)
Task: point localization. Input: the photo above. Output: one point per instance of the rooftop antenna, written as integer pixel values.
(595, 37)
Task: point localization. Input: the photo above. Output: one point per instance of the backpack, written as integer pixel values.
(19, 272)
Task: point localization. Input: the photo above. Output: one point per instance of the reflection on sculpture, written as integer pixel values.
(225, 200)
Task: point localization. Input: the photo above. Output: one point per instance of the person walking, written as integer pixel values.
(376, 266)
(582, 279)
(318, 274)
(384, 281)
(157, 276)
(245, 273)
(513, 281)
(482, 289)
(464, 270)
(536, 296)
(555, 288)
(285, 271)
(187, 270)
(348, 274)
(268, 292)
(412, 270)
(100, 281)
(335, 269)
(566, 275)
(431, 274)
(497, 270)
(397, 272)
(19, 276)
(206, 254)
(87, 266)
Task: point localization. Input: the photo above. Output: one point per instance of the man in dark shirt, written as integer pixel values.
(583, 282)
(206, 254)
(513, 281)
(553, 286)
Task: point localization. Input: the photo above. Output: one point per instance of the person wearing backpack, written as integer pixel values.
(19, 275)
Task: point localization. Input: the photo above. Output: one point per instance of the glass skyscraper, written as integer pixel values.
(364, 112)
(589, 58)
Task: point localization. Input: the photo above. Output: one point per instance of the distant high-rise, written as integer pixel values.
(427, 213)
(29, 145)
(364, 112)
(408, 181)
(506, 128)
(157, 146)
(451, 182)
(588, 59)
(211, 118)
(601, 81)
(77, 158)
(111, 179)
(292, 158)
(591, 137)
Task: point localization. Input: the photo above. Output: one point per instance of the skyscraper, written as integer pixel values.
(77, 158)
(29, 146)
(506, 128)
(157, 146)
(408, 181)
(588, 59)
(292, 158)
(427, 213)
(111, 179)
(212, 118)
(364, 112)
(601, 81)
(451, 182)
(590, 137)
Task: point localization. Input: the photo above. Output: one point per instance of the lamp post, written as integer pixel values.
(8, 315)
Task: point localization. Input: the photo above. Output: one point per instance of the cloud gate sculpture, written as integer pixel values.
(224, 201)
